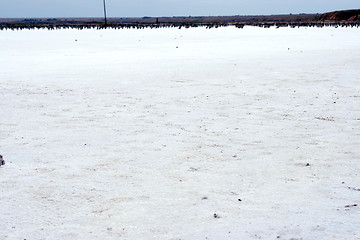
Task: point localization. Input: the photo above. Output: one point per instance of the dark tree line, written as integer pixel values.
(80, 26)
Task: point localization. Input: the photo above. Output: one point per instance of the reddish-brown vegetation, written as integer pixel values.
(347, 16)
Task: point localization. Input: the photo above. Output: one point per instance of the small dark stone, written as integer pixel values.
(355, 189)
(204, 198)
(216, 216)
(2, 161)
(307, 164)
(348, 206)
(192, 169)
(239, 200)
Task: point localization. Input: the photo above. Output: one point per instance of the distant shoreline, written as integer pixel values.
(171, 25)
(348, 18)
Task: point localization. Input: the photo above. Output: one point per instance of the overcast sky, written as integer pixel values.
(158, 8)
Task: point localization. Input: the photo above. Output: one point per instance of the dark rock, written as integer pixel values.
(352, 205)
(355, 189)
(192, 169)
(2, 161)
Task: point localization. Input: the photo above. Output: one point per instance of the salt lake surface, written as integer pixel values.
(180, 134)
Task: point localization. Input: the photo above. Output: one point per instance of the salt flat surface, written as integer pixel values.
(146, 134)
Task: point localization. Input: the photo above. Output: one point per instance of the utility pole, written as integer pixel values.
(105, 12)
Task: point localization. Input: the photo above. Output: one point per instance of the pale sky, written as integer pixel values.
(158, 8)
